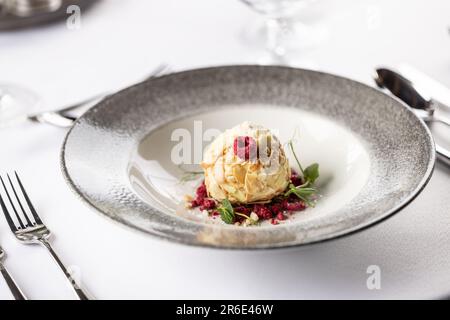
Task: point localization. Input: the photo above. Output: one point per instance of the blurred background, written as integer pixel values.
(115, 43)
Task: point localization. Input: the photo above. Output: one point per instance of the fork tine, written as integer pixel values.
(11, 224)
(27, 199)
(5, 210)
(29, 223)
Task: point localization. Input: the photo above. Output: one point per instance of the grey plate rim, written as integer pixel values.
(412, 196)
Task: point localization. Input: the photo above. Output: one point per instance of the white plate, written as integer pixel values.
(375, 156)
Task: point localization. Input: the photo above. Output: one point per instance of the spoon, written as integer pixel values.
(426, 109)
(404, 89)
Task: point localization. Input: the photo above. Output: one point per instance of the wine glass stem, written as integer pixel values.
(277, 29)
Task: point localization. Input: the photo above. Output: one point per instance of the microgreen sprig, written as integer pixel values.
(309, 176)
(249, 219)
(189, 175)
(291, 146)
(310, 173)
(226, 211)
(228, 214)
(303, 193)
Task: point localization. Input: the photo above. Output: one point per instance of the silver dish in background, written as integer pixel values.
(17, 14)
(99, 163)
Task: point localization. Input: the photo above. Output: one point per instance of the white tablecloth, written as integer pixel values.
(120, 42)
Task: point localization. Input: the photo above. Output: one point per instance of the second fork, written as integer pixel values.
(15, 290)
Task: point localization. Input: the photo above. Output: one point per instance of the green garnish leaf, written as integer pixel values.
(190, 176)
(303, 193)
(311, 173)
(226, 211)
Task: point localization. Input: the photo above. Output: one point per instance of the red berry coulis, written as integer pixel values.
(275, 211)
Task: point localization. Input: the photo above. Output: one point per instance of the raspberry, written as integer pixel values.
(245, 148)
(208, 204)
(295, 206)
(296, 180)
(281, 216)
(201, 191)
(262, 212)
(273, 221)
(194, 203)
(243, 210)
(265, 213)
(200, 201)
(276, 208)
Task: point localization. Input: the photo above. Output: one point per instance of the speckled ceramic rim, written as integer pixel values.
(421, 160)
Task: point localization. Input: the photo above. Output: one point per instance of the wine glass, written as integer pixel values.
(16, 103)
(282, 33)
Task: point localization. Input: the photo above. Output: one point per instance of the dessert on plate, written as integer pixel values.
(248, 179)
(245, 164)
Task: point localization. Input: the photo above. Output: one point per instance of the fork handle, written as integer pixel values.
(82, 295)
(65, 117)
(16, 292)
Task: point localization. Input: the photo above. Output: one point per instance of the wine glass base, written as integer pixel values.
(301, 36)
(290, 60)
(293, 46)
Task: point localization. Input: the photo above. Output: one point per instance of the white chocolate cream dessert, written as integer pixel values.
(246, 164)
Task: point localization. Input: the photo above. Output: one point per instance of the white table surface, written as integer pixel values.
(121, 41)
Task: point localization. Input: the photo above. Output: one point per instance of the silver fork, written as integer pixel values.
(66, 116)
(31, 229)
(15, 290)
